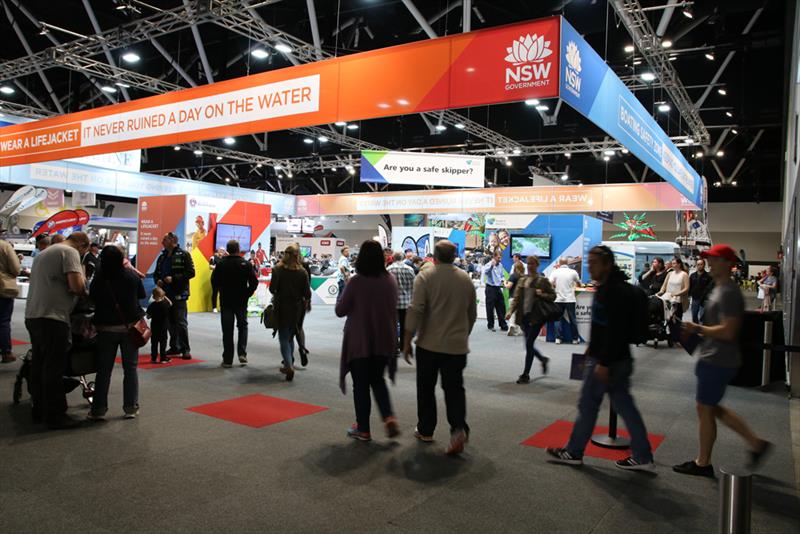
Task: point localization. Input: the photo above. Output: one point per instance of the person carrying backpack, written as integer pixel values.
(608, 366)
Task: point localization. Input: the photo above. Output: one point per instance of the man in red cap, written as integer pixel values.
(719, 359)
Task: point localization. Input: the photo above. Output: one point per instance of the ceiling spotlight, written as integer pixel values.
(516, 151)
(440, 127)
(322, 139)
(609, 152)
(542, 107)
(664, 107)
(689, 140)
(629, 48)
(402, 101)
(710, 56)
(720, 153)
(728, 114)
(734, 183)
(648, 76)
(532, 102)
(123, 85)
(734, 131)
(258, 165)
(508, 163)
(460, 126)
(666, 44)
(44, 30)
(688, 13)
(259, 53)
(281, 47)
(625, 151)
(198, 152)
(606, 158)
(673, 57)
(717, 184)
(698, 154)
(722, 91)
(176, 148)
(351, 170)
(289, 174)
(334, 169)
(308, 140)
(384, 105)
(352, 126)
(340, 123)
(130, 57)
(564, 177)
(227, 179)
(219, 158)
(567, 154)
(637, 61)
(229, 141)
(108, 89)
(501, 152)
(278, 167)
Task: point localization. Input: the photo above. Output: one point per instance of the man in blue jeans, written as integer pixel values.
(609, 366)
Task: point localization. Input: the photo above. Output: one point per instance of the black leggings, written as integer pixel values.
(367, 374)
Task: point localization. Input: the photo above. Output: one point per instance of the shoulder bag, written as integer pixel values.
(138, 332)
(544, 311)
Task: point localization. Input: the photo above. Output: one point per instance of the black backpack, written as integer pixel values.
(637, 301)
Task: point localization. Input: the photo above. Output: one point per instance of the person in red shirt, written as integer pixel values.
(261, 255)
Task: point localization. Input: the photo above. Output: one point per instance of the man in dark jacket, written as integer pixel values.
(608, 367)
(235, 281)
(700, 286)
(174, 269)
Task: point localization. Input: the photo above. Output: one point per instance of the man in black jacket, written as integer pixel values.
(700, 286)
(235, 280)
(174, 269)
(608, 367)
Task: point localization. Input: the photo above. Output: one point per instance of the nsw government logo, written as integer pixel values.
(572, 69)
(527, 56)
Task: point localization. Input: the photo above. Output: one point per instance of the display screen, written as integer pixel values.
(294, 226)
(531, 245)
(305, 252)
(309, 225)
(226, 232)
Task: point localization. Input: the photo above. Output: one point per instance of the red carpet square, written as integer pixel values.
(144, 362)
(15, 342)
(557, 435)
(257, 411)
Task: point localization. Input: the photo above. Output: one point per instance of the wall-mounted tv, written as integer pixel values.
(305, 252)
(532, 245)
(239, 232)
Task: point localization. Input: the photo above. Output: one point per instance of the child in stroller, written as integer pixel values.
(656, 320)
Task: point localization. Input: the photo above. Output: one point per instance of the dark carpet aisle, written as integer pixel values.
(175, 470)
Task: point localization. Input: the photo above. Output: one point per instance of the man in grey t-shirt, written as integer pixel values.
(718, 361)
(57, 279)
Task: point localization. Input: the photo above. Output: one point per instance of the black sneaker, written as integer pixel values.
(243, 359)
(545, 365)
(524, 379)
(303, 358)
(186, 356)
(166, 359)
(153, 360)
(632, 465)
(173, 352)
(561, 456)
(691, 468)
(757, 457)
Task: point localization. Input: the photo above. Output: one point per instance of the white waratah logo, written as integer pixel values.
(573, 56)
(528, 49)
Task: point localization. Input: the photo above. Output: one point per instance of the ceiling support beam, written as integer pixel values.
(174, 64)
(423, 23)
(198, 41)
(466, 16)
(312, 19)
(666, 16)
(96, 25)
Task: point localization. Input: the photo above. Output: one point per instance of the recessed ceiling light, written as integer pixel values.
(259, 53)
(459, 126)
(440, 127)
(609, 152)
(227, 179)
(710, 56)
(637, 61)
(542, 107)
(176, 148)
(688, 13)
(517, 151)
(673, 57)
(699, 154)
(352, 126)
(259, 165)
(340, 123)
(729, 114)
(130, 57)
(108, 89)
(219, 158)
(734, 131)
(532, 102)
(508, 163)
(722, 91)
(334, 169)
(720, 153)
(567, 154)
(308, 140)
(734, 183)
(6, 90)
(606, 158)
(123, 85)
(229, 141)
(629, 48)
(664, 107)
(564, 177)
(648, 76)
(625, 151)
(198, 152)
(322, 139)
(666, 44)
(281, 47)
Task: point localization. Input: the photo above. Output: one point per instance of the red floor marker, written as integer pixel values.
(144, 362)
(257, 411)
(15, 342)
(557, 435)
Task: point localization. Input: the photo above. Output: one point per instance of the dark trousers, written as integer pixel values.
(697, 310)
(495, 302)
(569, 309)
(367, 375)
(179, 328)
(158, 345)
(227, 316)
(50, 342)
(214, 297)
(401, 318)
(108, 344)
(531, 333)
(6, 309)
(451, 367)
(300, 335)
(340, 285)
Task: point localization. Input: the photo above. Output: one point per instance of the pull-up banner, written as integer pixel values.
(504, 64)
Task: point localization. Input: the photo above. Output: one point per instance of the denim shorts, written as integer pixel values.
(712, 381)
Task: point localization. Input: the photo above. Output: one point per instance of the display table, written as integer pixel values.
(583, 317)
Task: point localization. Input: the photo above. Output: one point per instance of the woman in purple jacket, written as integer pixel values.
(369, 302)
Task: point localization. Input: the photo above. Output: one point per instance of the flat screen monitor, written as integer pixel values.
(294, 226)
(531, 245)
(239, 232)
(305, 252)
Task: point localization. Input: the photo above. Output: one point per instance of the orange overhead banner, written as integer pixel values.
(496, 65)
(657, 196)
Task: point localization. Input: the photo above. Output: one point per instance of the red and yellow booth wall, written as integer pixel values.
(201, 223)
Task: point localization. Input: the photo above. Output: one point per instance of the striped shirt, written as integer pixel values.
(405, 283)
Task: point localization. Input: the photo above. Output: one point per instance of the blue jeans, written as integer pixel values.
(286, 340)
(6, 309)
(531, 333)
(107, 345)
(569, 308)
(697, 311)
(618, 389)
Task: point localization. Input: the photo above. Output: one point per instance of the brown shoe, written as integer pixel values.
(392, 428)
(457, 441)
(289, 374)
(8, 358)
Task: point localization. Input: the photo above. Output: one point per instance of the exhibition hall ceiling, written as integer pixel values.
(729, 56)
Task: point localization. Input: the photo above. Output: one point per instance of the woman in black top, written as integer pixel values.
(116, 292)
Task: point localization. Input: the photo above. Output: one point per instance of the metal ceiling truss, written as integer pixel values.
(649, 45)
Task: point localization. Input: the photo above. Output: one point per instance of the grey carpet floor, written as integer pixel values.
(177, 471)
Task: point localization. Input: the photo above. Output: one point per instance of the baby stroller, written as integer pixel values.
(81, 360)
(656, 321)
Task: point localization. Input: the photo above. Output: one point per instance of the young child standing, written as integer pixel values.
(158, 313)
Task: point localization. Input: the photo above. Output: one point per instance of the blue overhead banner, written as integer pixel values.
(592, 88)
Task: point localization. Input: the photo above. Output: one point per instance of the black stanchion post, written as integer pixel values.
(611, 441)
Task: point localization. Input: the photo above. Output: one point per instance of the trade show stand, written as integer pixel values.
(632, 255)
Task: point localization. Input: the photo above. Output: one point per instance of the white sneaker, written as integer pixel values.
(576, 341)
(214, 311)
(558, 341)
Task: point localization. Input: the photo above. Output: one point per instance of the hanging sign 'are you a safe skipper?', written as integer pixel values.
(419, 168)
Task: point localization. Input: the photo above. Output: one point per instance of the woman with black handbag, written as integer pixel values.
(116, 292)
(534, 305)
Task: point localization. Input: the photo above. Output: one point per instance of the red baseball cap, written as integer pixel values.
(720, 251)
